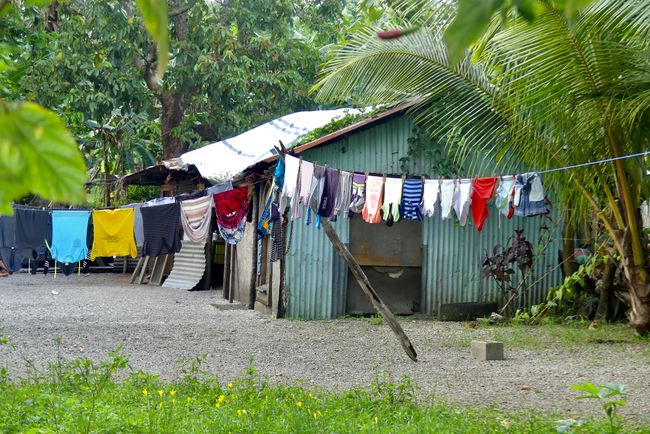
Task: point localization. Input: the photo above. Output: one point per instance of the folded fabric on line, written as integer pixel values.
(113, 233)
(447, 187)
(481, 193)
(412, 199)
(195, 218)
(374, 192)
(161, 229)
(231, 207)
(69, 233)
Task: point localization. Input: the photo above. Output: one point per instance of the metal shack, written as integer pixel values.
(414, 266)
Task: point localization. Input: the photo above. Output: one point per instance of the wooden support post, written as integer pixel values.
(138, 267)
(226, 272)
(208, 260)
(364, 283)
(252, 291)
(143, 270)
(233, 261)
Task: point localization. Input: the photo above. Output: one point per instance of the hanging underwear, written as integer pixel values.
(291, 171)
(231, 207)
(412, 199)
(358, 200)
(481, 193)
(447, 187)
(113, 233)
(504, 196)
(392, 200)
(531, 195)
(195, 218)
(374, 190)
(343, 196)
(462, 199)
(430, 197)
(330, 191)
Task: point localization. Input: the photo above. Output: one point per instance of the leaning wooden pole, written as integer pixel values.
(367, 288)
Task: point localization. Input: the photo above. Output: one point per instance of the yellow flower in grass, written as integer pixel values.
(229, 385)
(220, 399)
(299, 404)
(173, 402)
(241, 412)
(161, 392)
(172, 392)
(145, 392)
(309, 411)
(189, 399)
(376, 420)
(319, 413)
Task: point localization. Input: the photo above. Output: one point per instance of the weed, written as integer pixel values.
(611, 398)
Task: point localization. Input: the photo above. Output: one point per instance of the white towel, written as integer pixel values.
(291, 170)
(446, 197)
(392, 195)
(462, 199)
(430, 197)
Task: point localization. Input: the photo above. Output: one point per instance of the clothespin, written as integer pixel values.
(403, 178)
(366, 174)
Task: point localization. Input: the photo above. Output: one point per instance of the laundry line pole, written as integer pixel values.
(367, 288)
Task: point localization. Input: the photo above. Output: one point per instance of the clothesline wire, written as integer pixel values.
(591, 163)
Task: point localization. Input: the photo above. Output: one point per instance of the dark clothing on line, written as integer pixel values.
(161, 225)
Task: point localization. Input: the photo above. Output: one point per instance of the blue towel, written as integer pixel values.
(69, 231)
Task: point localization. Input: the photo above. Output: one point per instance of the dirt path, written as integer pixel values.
(158, 327)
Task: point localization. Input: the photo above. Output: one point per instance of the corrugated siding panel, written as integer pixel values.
(189, 266)
(310, 280)
(453, 260)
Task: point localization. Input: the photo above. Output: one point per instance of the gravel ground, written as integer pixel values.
(158, 327)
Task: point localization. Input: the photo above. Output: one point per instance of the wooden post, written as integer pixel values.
(364, 283)
(208, 262)
(226, 271)
(252, 291)
(233, 261)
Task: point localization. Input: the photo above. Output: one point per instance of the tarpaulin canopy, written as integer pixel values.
(222, 160)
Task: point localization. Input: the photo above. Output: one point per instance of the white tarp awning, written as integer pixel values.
(221, 161)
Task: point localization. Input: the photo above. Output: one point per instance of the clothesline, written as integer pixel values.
(591, 163)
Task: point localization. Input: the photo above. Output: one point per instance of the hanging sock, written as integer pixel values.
(505, 196)
(392, 200)
(374, 192)
(412, 199)
(462, 199)
(85, 264)
(481, 192)
(358, 199)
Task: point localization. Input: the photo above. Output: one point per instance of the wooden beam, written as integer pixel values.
(367, 288)
(226, 271)
(252, 290)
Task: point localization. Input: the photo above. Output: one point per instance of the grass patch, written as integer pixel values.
(82, 396)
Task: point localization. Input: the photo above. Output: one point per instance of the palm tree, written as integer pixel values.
(550, 93)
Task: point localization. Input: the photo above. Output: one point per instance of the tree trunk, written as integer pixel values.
(604, 290)
(173, 111)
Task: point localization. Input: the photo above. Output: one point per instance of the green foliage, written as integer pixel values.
(154, 15)
(38, 155)
(62, 400)
(611, 398)
(423, 148)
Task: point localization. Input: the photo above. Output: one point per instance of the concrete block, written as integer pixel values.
(487, 350)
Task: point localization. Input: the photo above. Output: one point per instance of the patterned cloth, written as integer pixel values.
(195, 218)
(231, 207)
(412, 199)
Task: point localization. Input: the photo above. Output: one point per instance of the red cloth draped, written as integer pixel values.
(481, 193)
(231, 207)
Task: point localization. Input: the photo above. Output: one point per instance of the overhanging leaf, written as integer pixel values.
(154, 14)
(39, 156)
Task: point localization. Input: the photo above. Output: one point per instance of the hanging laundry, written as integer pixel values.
(278, 175)
(462, 199)
(430, 197)
(344, 194)
(447, 187)
(33, 230)
(219, 188)
(330, 191)
(317, 186)
(291, 171)
(482, 191)
(8, 243)
(264, 224)
(113, 233)
(276, 234)
(392, 200)
(233, 235)
(306, 177)
(504, 195)
(160, 201)
(412, 199)
(195, 218)
(530, 191)
(161, 229)
(358, 200)
(374, 192)
(69, 235)
(231, 207)
(138, 230)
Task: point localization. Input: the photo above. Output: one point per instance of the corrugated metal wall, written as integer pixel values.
(316, 277)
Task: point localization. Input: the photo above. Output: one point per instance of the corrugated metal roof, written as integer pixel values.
(189, 266)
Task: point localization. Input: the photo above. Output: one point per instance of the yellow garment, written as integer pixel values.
(113, 233)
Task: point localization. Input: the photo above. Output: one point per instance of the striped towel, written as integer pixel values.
(195, 218)
(412, 199)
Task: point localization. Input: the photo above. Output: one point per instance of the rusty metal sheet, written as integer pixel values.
(398, 245)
